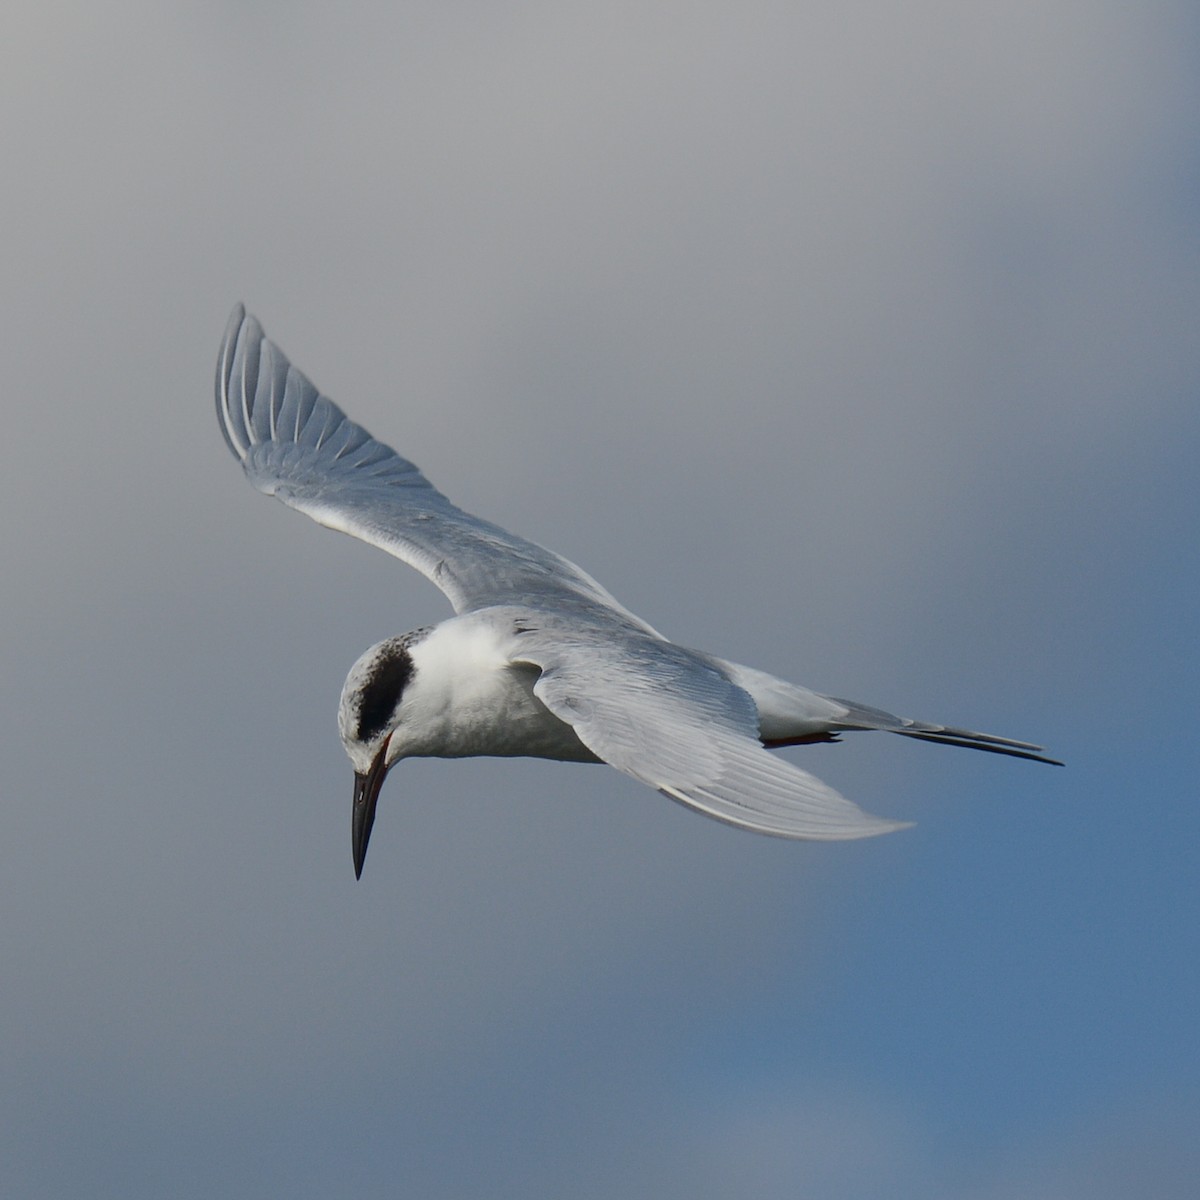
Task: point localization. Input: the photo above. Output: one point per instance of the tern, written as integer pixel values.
(539, 660)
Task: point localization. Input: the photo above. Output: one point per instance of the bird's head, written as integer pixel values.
(369, 715)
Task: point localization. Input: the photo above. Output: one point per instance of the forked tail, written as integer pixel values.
(860, 716)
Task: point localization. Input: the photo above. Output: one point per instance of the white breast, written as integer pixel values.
(467, 698)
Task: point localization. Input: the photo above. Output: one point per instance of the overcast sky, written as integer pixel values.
(856, 341)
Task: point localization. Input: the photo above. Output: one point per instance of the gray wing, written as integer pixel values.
(661, 714)
(298, 446)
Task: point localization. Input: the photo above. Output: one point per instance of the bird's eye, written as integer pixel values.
(381, 692)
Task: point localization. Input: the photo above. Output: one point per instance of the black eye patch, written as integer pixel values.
(381, 692)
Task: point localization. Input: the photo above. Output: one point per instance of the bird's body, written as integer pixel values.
(469, 695)
(541, 660)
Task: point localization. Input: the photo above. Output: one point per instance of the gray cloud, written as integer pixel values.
(852, 342)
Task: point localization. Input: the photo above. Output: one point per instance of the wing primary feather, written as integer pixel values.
(225, 369)
(249, 348)
(277, 377)
(305, 399)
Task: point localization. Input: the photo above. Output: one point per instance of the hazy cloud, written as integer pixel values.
(855, 341)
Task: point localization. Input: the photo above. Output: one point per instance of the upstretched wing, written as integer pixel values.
(298, 446)
(661, 714)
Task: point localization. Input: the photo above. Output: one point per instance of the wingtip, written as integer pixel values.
(237, 378)
(233, 327)
(832, 818)
(871, 827)
(225, 360)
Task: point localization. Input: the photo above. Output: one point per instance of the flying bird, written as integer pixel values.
(540, 659)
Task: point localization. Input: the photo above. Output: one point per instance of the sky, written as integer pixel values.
(855, 341)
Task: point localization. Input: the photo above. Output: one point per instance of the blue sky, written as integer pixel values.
(856, 342)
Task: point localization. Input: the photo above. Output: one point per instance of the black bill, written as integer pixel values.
(366, 796)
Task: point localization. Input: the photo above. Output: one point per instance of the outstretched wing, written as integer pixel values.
(297, 445)
(663, 715)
